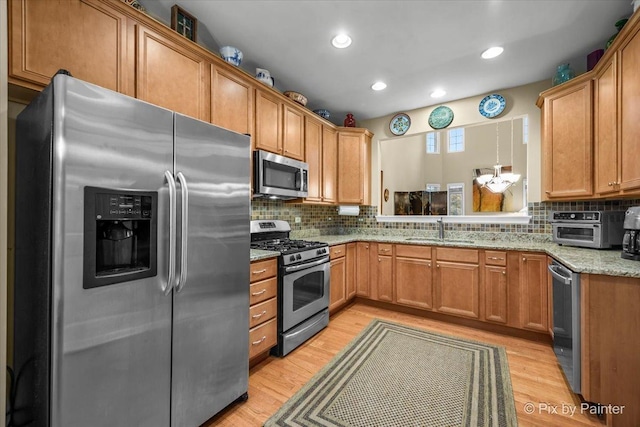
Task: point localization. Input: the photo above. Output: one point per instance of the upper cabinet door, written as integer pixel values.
(293, 132)
(567, 141)
(629, 113)
(172, 75)
(268, 134)
(313, 157)
(606, 128)
(85, 38)
(231, 101)
(329, 164)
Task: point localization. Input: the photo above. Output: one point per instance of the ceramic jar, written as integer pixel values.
(563, 74)
(349, 121)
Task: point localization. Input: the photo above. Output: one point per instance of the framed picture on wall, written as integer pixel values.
(184, 23)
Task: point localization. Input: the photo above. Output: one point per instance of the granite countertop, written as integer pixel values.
(581, 260)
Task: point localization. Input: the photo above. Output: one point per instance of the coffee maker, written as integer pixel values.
(631, 239)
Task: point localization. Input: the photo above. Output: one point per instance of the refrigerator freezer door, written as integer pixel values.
(211, 310)
(111, 345)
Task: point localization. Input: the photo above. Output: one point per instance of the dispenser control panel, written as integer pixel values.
(122, 206)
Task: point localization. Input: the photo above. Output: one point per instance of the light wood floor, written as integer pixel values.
(535, 375)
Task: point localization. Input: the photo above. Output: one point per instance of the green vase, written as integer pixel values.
(563, 73)
(619, 26)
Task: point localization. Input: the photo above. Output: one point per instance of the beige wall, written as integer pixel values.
(520, 101)
(3, 197)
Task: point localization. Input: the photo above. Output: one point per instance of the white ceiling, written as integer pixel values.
(413, 46)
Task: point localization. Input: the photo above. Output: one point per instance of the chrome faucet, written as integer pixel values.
(440, 229)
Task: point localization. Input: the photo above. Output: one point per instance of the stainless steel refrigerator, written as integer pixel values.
(132, 262)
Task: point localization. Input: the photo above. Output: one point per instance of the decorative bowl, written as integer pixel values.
(322, 113)
(231, 54)
(298, 97)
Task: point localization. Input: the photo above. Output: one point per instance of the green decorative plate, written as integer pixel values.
(441, 117)
(399, 124)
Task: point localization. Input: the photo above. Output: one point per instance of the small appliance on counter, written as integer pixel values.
(631, 238)
(588, 229)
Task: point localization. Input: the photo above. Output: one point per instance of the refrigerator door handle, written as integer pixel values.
(184, 231)
(172, 232)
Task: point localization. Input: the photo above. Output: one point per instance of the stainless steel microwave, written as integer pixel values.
(279, 177)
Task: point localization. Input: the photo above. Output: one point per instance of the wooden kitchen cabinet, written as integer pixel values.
(321, 146)
(85, 37)
(413, 278)
(496, 287)
(350, 259)
(293, 132)
(610, 344)
(268, 124)
(173, 74)
(606, 128)
(533, 291)
(338, 290)
(384, 273)
(354, 165)
(363, 256)
(457, 282)
(263, 306)
(567, 153)
(231, 100)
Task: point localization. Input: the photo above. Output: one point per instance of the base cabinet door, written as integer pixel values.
(363, 288)
(350, 271)
(413, 278)
(533, 291)
(496, 294)
(384, 278)
(457, 289)
(337, 295)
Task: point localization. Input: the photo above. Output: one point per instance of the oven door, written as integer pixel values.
(585, 235)
(305, 291)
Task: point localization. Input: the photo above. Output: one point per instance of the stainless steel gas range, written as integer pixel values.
(303, 283)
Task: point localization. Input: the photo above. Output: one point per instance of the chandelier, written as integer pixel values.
(499, 182)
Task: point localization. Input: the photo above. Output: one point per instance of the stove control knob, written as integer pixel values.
(572, 216)
(321, 251)
(292, 258)
(298, 256)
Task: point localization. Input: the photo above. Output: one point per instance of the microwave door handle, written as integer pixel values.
(184, 244)
(553, 270)
(172, 232)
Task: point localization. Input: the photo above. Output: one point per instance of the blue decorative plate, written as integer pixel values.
(399, 124)
(492, 105)
(441, 117)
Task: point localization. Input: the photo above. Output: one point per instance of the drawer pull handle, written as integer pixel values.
(385, 250)
(260, 341)
(259, 271)
(497, 258)
(259, 315)
(255, 294)
(337, 252)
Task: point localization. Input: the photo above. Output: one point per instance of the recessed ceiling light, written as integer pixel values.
(438, 93)
(378, 85)
(492, 52)
(341, 41)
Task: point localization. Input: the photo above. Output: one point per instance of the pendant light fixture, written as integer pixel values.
(499, 182)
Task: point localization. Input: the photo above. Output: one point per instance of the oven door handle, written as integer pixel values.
(307, 265)
(553, 269)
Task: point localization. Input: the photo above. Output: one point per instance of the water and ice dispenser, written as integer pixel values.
(120, 236)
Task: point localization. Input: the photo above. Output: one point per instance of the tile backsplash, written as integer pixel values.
(319, 219)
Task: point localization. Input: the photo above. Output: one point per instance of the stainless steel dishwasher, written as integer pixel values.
(566, 321)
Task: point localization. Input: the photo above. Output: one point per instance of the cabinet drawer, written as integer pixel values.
(263, 269)
(495, 258)
(385, 249)
(457, 255)
(262, 291)
(413, 251)
(337, 251)
(262, 338)
(262, 312)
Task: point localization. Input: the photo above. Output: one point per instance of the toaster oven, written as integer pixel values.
(588, 229)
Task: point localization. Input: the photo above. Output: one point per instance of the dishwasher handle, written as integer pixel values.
(556, 271)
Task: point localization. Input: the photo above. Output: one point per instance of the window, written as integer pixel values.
(433, 143)
(525, 129)
(456, 140)
(433, 187)
(455, 195)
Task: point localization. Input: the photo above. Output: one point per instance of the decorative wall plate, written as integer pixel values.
(399, 124)
(492, 105)
(441, 117)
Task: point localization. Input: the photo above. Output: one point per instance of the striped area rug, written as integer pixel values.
(394, 375)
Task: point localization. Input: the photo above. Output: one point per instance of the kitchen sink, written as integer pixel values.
(427, 240)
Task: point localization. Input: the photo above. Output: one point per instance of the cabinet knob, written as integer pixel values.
(366, 247)
(429, 265)
(379, 259)
(438, 265)
(504, 272)
(524, 259)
